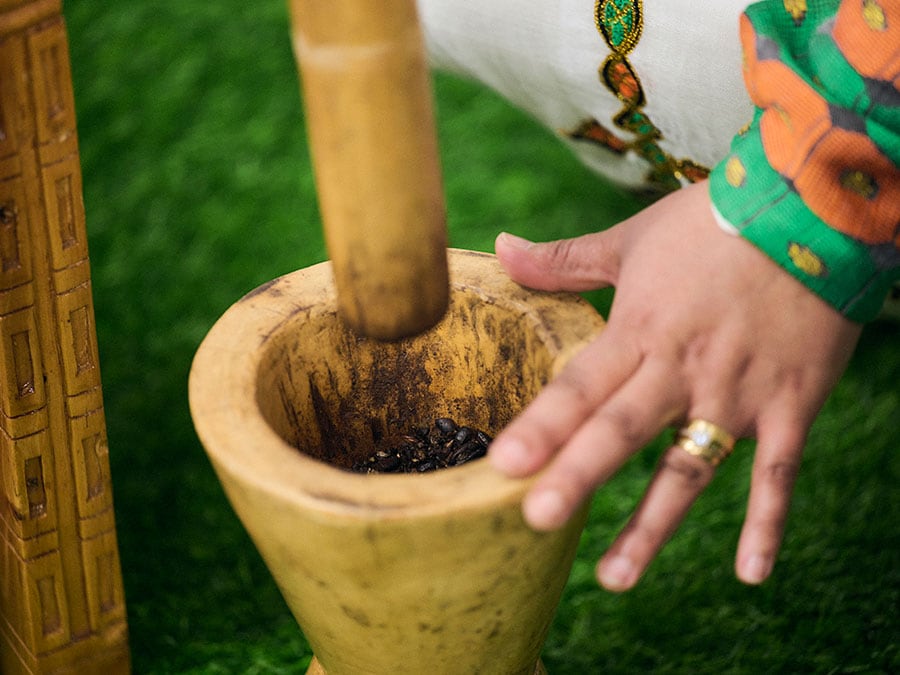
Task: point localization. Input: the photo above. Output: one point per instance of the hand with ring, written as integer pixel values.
(705, 333)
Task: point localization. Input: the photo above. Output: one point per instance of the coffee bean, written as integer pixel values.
(463, 434)
(445, 425)
(424, 449)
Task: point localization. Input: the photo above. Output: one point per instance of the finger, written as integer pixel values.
(636, 413)
(580, 264)
(678, 481)
(592, 375)
(775, 466)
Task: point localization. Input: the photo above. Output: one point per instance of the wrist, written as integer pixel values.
(750, 198)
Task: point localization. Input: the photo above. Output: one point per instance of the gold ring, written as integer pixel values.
(706, 440)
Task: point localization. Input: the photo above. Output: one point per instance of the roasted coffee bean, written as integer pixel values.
(463, 434)
(445, 425)
(423, 449)
(466, 452)
(469, 453)
(386, 463)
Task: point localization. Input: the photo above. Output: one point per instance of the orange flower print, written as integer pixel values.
(868, 40)
(822, 150)
(847, 178)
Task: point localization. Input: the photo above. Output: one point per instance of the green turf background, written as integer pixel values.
(198, 188)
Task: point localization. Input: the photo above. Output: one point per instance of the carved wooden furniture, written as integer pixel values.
(62, 608)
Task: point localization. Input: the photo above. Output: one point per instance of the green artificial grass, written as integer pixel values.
(198, 188)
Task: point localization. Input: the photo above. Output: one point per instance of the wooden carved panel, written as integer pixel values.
(62, 607)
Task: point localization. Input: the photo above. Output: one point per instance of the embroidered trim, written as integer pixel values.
(620, 23)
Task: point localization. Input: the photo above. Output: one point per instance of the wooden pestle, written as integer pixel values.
(370, 120)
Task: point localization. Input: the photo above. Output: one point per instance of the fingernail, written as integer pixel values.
(510, 456)
(617, 574)
(544, 510)
(516, 242)
(756, 569)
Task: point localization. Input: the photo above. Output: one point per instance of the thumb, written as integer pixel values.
(580, 264)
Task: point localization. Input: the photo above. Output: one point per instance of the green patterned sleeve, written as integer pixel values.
(814, 181)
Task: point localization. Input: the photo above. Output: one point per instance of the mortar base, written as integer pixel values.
(316, 669)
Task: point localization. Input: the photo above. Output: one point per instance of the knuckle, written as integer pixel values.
(571, 384)
(567, 258)
(780, 475)
(650, 531)
(574, 480)
(694, 350)
(561, 253)
(626, 423)
(691, 473)
(584, 480)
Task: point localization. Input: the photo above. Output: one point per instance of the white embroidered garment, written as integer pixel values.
(676, 65)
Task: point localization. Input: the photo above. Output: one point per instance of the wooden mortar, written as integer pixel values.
(430, 573)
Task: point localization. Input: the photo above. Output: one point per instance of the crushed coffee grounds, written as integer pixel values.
(423, 449)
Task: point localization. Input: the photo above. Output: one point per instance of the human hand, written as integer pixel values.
(703, 326)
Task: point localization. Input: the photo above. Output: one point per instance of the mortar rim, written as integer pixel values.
(228, 419)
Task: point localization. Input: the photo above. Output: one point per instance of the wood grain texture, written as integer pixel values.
(419, 573)
(369, 115)
(62, 606)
